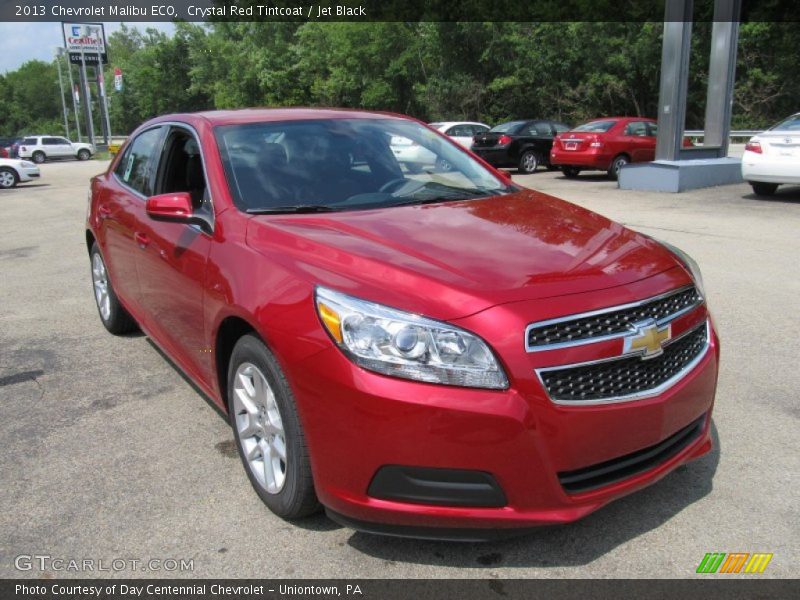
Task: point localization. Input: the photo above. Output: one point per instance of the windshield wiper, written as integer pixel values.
(300, 208)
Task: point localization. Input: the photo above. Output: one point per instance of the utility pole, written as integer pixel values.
(72, 94)
(61, 89)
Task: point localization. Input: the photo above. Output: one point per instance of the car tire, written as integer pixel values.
(616, 164)
(84, 154)
(8, 178)
(528, 162)
(38, 157)
(761, 188)
(115, 318)
(263, 415)
(570, 172)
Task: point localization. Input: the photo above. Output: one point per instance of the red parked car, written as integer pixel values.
(441, 354)
(606, 144)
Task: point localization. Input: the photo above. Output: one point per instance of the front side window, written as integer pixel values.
(596, 126)
(134, 169)
(346, 164)
(181, 170)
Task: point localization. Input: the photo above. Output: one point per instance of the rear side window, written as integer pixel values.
(50, 141)
(636, 128)
(135, 167)
(790, 124)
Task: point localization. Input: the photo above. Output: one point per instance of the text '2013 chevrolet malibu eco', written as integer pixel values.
(437, 353)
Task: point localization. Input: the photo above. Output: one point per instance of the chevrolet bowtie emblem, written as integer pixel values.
(648, 339)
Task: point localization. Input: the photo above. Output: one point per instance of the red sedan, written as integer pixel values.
(438, 354)
(606, 144)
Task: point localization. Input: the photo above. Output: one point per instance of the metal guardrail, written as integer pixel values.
(739, 133)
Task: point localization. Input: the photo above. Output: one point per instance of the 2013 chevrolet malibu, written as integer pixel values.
(436, 354)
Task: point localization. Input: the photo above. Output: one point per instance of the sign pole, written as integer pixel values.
(102, 88)
(87, 99)
(72, 94)
(61, 89)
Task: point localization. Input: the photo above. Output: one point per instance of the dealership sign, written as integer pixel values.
(87, 39)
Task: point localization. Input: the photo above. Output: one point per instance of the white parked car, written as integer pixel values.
(14, 171)
(461, 131)
(772, 158)
(40, 148)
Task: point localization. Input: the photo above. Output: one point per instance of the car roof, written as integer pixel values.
(260, 115)
(451, 123)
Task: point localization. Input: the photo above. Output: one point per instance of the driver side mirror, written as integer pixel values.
(175, 207)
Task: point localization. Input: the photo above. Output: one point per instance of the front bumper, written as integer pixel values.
(358, 422)
(29, 173)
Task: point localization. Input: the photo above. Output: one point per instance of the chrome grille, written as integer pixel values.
(625, 377)
(613, 322)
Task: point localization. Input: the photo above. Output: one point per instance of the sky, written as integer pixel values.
(28, 41)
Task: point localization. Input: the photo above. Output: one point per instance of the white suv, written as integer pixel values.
(40, 148)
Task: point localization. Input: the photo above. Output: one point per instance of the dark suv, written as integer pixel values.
(522, 144)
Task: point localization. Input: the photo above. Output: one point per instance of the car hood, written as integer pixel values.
(453, 259)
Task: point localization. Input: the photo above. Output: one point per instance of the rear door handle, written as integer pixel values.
(141, 239)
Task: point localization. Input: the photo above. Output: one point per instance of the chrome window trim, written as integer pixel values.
(601, 311)
(659, 389)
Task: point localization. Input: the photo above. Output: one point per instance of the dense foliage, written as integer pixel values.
(485, 71)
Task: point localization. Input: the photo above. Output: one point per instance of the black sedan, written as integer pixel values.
(521, 144)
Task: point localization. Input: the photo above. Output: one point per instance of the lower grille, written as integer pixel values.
(627, 376)
(617, 469)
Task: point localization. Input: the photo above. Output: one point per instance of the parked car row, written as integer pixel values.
(605, 144)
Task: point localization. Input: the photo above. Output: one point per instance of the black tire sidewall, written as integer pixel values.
(36, 154)
(616, 165)
(83, 154)
(288, 502)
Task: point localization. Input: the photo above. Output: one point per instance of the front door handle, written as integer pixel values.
(141, 239)
(104, 211)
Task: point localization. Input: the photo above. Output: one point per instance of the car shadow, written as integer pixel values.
(787, 194)
(575, 544)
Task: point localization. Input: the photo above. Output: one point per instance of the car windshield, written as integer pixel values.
(596, 126)
(790, 124)
(507, 127)
(346, 164)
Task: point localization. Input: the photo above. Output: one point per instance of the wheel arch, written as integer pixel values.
(231, 329)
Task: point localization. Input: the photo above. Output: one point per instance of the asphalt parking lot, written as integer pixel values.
(109, 453)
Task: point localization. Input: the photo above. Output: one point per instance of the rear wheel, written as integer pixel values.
(38, 157)
(528, 162)
(113, 315)
(570, 172)
(763, 189)
(83, 154)
(617, 164)
(267, 429)
(8, 178)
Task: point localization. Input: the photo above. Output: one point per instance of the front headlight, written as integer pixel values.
(402, 344)
(690, 264)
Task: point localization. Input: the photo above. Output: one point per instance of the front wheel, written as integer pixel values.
(8, 178)
(617, 164)
(763, 189)
(267, 429)
(115, 318)
(528, 162)
(84, 154)
(38, 157)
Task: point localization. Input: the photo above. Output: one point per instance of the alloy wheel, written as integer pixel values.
(100, 281)
(7, 179)
(530, 162)
(259, 427)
